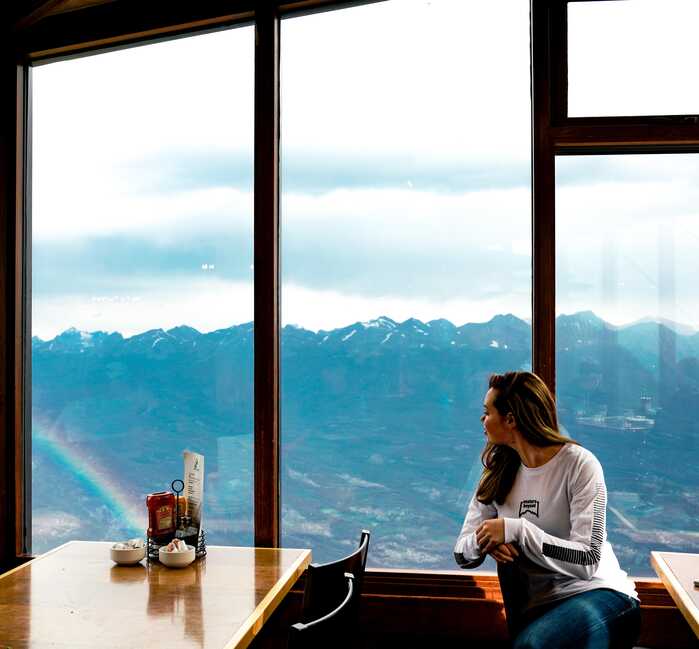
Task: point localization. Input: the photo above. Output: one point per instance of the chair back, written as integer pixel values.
(326, 586)
(329, 630)
(513, 578)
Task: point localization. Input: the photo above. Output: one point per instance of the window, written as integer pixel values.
(632, 58)
(142, 333)
(332, 145)
(627, 347)
(406, 266)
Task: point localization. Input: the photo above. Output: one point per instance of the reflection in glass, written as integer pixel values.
(627, 347)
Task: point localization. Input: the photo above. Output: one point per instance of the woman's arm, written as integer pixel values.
(579, 555)
(466, 550)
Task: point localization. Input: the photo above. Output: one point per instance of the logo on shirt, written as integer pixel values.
(529, 507)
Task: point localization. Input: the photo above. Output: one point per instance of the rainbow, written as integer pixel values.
(90, 474)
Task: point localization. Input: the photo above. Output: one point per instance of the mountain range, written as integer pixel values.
(380, 424)
(502, 331)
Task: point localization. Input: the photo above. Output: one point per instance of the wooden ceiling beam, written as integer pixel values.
(41, 10)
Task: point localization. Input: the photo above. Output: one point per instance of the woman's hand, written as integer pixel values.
(505, 553)
(490, 534)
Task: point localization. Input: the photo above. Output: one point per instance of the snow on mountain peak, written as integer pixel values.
(381, 321)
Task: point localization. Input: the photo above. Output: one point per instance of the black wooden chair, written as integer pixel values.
(513, 586)
(326, 591)
(329, 630)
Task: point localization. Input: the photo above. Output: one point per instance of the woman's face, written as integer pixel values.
(498, 428)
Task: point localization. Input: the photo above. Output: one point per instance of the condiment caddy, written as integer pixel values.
(169, 520)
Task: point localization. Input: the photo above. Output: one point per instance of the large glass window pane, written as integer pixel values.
(141, 285)
(632, 58)
(406, 266)
(627, 341)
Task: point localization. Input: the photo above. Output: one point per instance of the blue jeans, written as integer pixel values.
(596, 619)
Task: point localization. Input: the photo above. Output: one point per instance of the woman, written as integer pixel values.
(540, 511)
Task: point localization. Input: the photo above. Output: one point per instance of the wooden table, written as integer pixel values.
(74, 596)
(678, 570)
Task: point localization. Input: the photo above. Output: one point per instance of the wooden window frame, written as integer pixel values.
(122, 23)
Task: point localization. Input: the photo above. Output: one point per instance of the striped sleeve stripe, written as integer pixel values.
(594, 554)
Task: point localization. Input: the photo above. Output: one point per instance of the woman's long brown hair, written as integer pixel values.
(533, 407)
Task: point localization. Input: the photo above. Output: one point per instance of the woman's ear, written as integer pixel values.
(510, 420)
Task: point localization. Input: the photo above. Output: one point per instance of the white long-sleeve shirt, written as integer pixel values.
(556, 513)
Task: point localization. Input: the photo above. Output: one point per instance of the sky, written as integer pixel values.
(405, 178)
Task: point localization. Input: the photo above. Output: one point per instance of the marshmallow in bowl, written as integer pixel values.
(176, 545)
(131, 544)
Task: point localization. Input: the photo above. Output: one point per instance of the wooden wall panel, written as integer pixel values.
(413, 621)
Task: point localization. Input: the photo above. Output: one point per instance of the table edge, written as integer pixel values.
(689, 611)
(252, 626)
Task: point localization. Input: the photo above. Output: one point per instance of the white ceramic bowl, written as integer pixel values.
(176, 559)
(127, 557)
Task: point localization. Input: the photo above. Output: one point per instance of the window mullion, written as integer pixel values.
(543, 198)
(266, 255)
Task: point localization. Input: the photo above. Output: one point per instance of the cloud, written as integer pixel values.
(315, 172)
(142, 170)
(127, 263)
(627, 245)
(325, 309)
(398, 555)
(359, 482)
(65, 212)
(320, 172)
(294, 522)
(631, 168)
(301, 477)
(403, 193)
(353, 254)
(431, 492)
(378, 514)
(54, 525)
(207, 305)
(393, 242)
(406, 243)
(182, 170)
